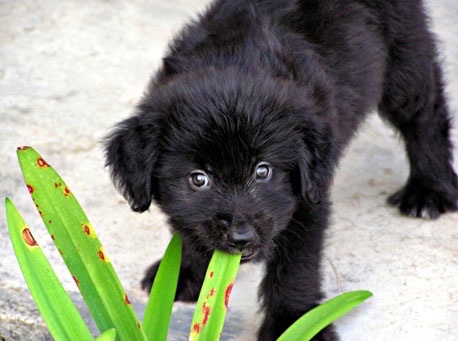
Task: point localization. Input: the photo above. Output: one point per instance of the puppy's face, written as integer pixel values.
(229, 212)
(226, 157)
(223, 194)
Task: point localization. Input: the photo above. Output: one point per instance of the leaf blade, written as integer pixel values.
(158, 310)
(211, 307)
(79, 246)
(107, 335)
(321, 316)
(58, 311)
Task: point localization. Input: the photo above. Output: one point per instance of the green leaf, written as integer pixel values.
(80, 248)
(319, 317)
(159, 307)
(211, 307)
(108, 335)
(58, 311)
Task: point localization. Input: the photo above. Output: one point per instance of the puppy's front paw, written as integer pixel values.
(419, 200)
(150, 275)
(189, 281)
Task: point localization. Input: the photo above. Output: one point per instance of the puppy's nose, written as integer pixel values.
(241, 236)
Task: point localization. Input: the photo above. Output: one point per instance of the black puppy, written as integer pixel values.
(239, 133)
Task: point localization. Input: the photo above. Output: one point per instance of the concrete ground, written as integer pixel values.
(69, 70)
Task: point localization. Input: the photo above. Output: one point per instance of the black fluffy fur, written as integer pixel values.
(287, 83)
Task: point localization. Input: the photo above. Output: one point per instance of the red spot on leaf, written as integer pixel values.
(52, 237)
(30, 188)
(42, 163)
(206, 311)
(28, 237)
(23, 148)
(87, 229)
(196, 328)
(76, 281)
(212, 273)
(101, 255)
(56, 185)
(227, 294)
(49, 221)
(126, 299)
(211, 293)
(67, 191)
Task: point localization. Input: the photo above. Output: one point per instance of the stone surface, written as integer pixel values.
(69, 70)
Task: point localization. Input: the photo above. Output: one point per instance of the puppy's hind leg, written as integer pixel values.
(414, 102)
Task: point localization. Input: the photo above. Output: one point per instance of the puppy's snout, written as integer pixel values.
(241, 237)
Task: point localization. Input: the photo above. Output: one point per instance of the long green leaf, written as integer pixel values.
(108, 335)
(319, 317)
(80, 248)
(59, 313)
(211, 308)
(159, 307)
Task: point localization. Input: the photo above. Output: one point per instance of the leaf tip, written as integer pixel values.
(10, 208)
(366, 294)
(21, 148)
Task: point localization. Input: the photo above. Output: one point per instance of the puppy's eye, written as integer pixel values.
(263, 171)
(199, 180)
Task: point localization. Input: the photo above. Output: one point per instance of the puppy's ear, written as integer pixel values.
(131, 154)
(316, 160)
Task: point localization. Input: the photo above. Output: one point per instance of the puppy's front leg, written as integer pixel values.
(192, 274)
(291, 286)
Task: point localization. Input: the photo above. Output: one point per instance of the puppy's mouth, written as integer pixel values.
(249, 254)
